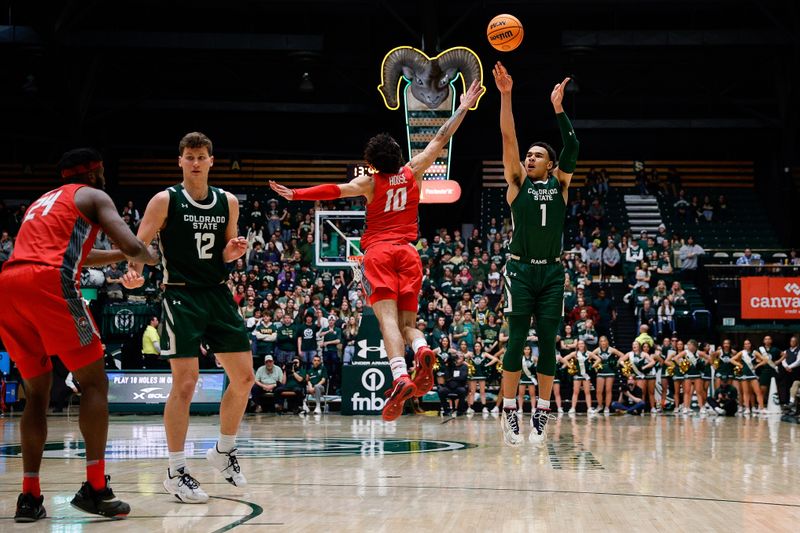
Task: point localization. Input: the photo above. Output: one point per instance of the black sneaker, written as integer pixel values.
(100, 502)
(29, 508)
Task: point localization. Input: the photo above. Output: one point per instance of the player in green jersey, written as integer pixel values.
(534, 278)
(198, 233)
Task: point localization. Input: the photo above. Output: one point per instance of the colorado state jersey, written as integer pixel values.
(537, 218)
(193, 238)
(55, 233)
(392, 215)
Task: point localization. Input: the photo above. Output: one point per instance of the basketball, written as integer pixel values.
(505, 33)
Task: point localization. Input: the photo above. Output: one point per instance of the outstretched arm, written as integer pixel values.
(512, 166)
(361, 186)
(569, 153)
(420, 162)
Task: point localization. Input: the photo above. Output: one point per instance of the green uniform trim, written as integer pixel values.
(568, 158)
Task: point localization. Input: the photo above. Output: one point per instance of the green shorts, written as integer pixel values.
(534, 289)
(192, 315)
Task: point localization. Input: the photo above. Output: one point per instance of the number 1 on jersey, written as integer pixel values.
(543, 207)
(396, 200)
(205, 241)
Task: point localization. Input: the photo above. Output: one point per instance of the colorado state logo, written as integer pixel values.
(278, 448)
(124, 320)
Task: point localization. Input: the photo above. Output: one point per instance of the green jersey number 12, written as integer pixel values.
(205, 241)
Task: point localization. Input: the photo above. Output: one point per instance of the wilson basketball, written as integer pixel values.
(505, 32)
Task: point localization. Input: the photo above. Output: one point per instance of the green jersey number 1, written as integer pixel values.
(543, 207)
(205, 241)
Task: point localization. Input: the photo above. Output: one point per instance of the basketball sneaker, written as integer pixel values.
(184, 487)
(539, 420)
(470, 411)
(228, 466)
(509, 422)
(100, 502)
(29, 508)
(402, 389)
(423, 378)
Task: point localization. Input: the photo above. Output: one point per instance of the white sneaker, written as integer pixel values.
(653, 410)
(592, 411)
(495, 410)
(606, 411)
(228, 466)
(306, 409)
(561, 410)
(509, 422)
(571, 411)
(485, 411)
(539, 420)
(719, 410)
(317, 410)
(763, 411)
(185, 488)
(470, 411)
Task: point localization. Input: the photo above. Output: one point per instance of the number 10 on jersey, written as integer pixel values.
(396, 199)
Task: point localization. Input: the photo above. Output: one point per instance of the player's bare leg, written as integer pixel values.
(423, 355)
(403, 388)
(239, 368)
(179, 482)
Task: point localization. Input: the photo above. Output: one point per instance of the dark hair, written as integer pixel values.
(383, 153)
(77, 157)
(195, 139)
(551, 153)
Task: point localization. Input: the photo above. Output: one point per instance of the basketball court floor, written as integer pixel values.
(337, 473)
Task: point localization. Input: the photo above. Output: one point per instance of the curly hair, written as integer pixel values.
(75, 158)
(383, 153)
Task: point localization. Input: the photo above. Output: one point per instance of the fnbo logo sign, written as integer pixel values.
(372, 380)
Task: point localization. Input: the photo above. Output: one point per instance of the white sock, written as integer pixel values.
(509, 403)
(177, 463)
(398, 366)
(226, 443)
(542, 404)
(418, 343)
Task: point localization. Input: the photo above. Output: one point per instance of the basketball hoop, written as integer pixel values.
(355, 264)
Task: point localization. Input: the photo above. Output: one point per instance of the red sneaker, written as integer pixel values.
(423, 379)
(402, 390)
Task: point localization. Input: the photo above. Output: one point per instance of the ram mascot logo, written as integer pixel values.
(429, 95)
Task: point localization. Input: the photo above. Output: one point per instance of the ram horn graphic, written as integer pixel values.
(430, 78)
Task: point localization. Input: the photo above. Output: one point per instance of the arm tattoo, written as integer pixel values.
(444, 131)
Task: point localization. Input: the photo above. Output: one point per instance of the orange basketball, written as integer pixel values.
(505, 32)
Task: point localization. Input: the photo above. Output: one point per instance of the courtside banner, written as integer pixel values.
(773, 298)
(439, 192)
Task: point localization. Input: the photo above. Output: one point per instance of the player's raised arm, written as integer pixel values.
(569, 153)
(513, 170)
(420, 162)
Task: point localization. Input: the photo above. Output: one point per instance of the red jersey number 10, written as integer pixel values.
(396, 200)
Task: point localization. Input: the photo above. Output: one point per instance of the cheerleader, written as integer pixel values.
(443, 354)
(725, 369)
(580, 380)
(609, 357)
(557, 382)
(527, 379)
(707, 366)
(648, 368)
(674, 362)
(748, 381)
(642, 364)
(693, 379)
(477, 381)
(661, 356)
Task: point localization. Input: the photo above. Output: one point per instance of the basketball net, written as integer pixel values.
(355, 264)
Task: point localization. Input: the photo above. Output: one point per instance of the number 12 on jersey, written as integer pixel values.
(396, 200)
(205, 241)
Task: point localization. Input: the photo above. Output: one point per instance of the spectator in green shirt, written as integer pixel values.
(316, 378)
(292, 387)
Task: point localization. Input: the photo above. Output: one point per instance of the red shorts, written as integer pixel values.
(42, 316)
(393, 272)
